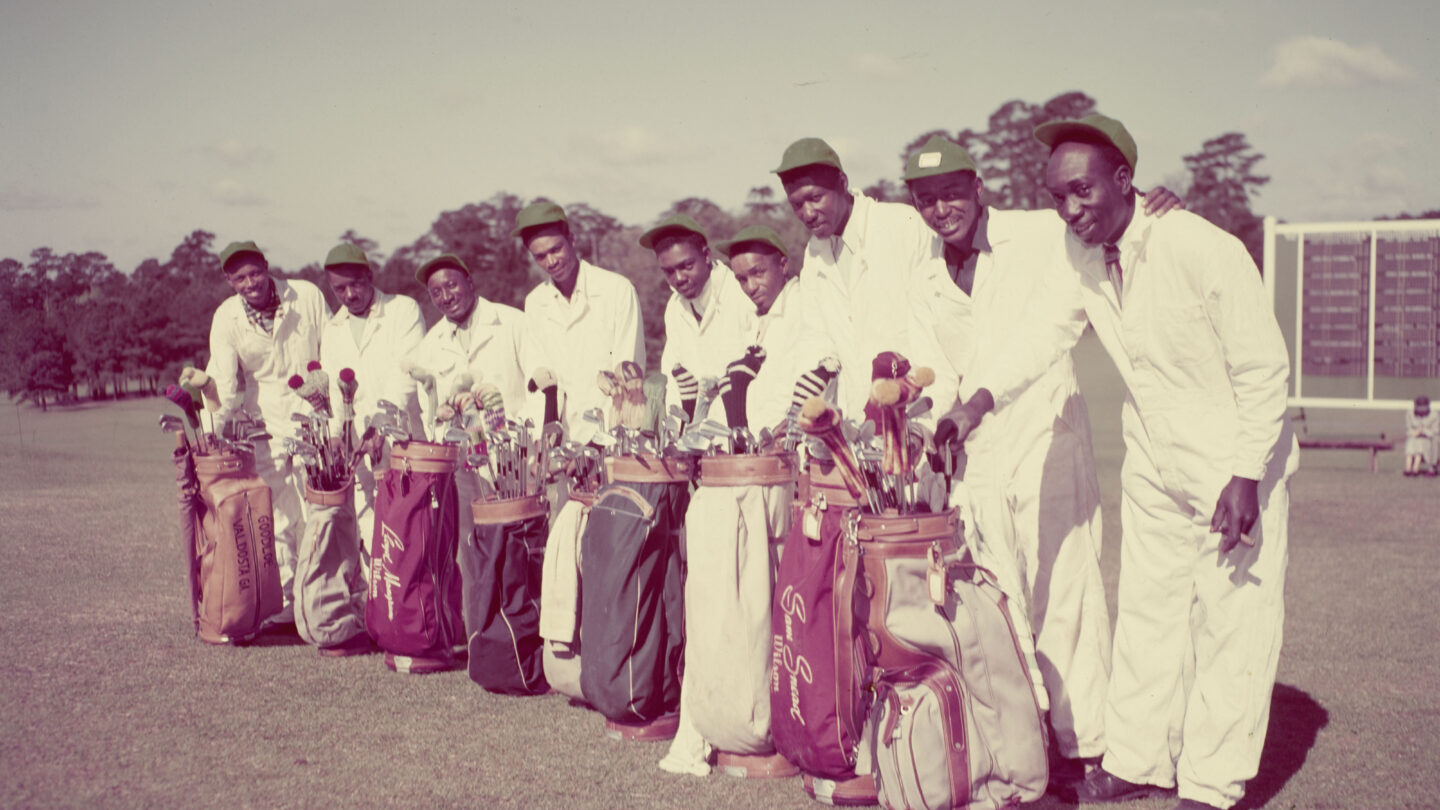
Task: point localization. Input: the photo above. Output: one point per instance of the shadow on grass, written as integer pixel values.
(1295, 721)
(283, 635)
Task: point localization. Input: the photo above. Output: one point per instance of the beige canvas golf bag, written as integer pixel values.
(955, 722)
(329, 579)
(737, 521)
(560, 595)
(233, 569)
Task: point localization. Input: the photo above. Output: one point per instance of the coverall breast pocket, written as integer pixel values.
(1181, 335)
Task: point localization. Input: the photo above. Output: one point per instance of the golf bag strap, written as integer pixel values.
(845, 636)
(510, 510)
(192, 557)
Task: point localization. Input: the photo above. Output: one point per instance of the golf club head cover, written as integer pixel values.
(812, 383)
(182, 398)
(689, 389)
(492, 403)
(543, 380)
(885, 366)
(820, 420)
(735, 388)
(632, 380)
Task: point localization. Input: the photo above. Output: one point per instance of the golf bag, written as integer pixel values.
(632, 616)
(228, 528)
(736, 519)
(501, 565)
(412, 609)
(956, 722)
(560, 595)
(817, 697)
(329, 579)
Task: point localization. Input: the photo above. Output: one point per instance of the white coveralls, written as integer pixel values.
(854, 292)
(733, 536)
(596, 329)
(705, 347)
(487, 346)
(1197, 639)
(242, 354)
(392, 329)
(1030, 497)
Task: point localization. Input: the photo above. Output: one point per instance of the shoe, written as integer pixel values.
(1067, 772)
(1191, 804)
(1102, 786)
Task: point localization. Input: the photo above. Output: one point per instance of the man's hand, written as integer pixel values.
(1236, 511)
(1161, 200)
(956, 426)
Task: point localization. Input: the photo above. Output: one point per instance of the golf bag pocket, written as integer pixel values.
(817, 704)
(329, 580)
(927, 602)
(412, 605)
(501, 566)
(239, 579)
(632, 616)
(917, 739)
(560, 597)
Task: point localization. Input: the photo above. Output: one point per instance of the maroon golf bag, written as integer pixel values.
(412, 607)
(228, 528)
(632, 616)
(817, 700)
(501, 563)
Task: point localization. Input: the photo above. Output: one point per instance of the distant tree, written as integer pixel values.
(589, 227)
(1222, 183)
(761, 202)
(886, 190)
(1433, 213)
(710, 216)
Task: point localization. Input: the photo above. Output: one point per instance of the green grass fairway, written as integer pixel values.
(107, 700)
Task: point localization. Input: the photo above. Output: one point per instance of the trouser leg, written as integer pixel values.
(1241, 607)
(990, 532)
(1057, 514)
(1145, 704)
(283, 478)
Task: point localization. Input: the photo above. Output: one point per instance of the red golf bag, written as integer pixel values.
(412, 607)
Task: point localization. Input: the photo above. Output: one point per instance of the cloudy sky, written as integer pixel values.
(127, 125)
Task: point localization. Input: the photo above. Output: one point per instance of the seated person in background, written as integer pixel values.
(1422, 439)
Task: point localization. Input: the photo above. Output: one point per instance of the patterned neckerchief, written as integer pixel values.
(265, 316)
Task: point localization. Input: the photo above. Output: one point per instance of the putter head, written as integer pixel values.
(604, 439)
(678, 414)
(455, 436)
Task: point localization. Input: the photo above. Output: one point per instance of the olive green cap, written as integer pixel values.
(679, 222)
(346, 253)
(235, 249)
(440, 262)
(752, 233)
(536, 214)
(1107, 129)
(808, 152)
(939, 155)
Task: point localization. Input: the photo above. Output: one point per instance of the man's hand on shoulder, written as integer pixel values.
(1161, 201)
